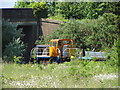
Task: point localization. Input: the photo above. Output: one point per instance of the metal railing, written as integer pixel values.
(40, 51)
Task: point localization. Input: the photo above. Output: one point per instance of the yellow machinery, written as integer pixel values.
(59, 50)
(58, 47)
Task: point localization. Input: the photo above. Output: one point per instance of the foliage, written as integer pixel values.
(76, 10)
(58, 17)
(71, 10)
(11, 43)
(51, 9)
(66, 75)
(9, 31)
(17, 59)
(105, 30)
(23, 4)
(113, 7)
(113, 53)
(40, 9)
(14, 48)
(82, 10)
(88, 33)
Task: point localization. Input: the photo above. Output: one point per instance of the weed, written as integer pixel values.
(74, 74)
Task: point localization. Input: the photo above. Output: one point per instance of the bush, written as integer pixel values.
(14, 48)
(11, 43)
(114, 54)
(9, 31)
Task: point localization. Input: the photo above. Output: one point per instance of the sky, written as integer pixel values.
(10, 3)
(7, 3)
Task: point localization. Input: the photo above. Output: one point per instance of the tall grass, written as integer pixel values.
(74, 74)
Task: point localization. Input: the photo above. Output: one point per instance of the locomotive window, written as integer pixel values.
(66, 42)
(59, 43)
(53, 44)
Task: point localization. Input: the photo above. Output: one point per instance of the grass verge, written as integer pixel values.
(74, 74)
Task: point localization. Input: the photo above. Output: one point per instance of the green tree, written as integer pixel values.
(76, 10)
(23, 4)
(81, 10)
(71, 10)
(40, 9)
(9, 31)
(104, 31)
(11, 43)
(51, 9)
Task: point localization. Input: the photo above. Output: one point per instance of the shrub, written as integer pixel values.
(9, 31)
(11, 43)
(14, 48)
(114, 55)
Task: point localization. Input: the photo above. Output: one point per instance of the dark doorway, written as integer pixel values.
(29, 39)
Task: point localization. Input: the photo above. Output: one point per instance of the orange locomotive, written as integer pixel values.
(59, 50)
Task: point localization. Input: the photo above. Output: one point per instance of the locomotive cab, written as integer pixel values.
(61, 47)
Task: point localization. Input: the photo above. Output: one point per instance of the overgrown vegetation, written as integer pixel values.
(97, 34)
(74, 74)
(76, 10)
(94, 26)
(11, 43)
(15, 48)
